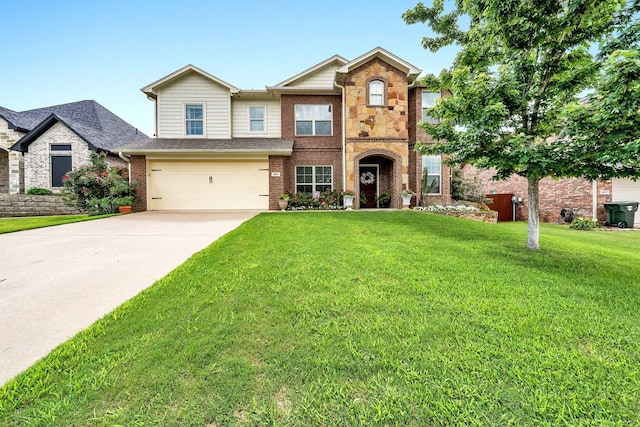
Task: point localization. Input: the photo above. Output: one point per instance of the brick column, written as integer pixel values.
(139, 176)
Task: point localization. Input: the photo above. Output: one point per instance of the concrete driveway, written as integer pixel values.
(56, 281)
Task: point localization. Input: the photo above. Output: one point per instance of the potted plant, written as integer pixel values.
(383, 200)
(283, 201)
(124, 204)
(347, 197)
(407, 195)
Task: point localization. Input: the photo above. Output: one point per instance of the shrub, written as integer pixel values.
(97, 187)
(37, 191)
(466, 189)
(326, 200)
(582, 223)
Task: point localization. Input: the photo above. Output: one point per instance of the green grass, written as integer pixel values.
(361, 318)
(10, 225)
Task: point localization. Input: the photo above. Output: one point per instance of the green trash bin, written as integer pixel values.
(620, 214)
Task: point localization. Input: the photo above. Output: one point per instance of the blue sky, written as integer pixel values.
(64, 51)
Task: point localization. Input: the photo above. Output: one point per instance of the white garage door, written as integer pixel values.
(626, 190)
(208, 184)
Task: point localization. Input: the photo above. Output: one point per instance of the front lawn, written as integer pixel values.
(361, 318)
(9, 225)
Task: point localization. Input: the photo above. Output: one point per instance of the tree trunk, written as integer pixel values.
(533, 239)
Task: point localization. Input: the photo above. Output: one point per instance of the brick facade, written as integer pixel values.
(138, 170)
(416, 134)
(574, 193)
(321, 150)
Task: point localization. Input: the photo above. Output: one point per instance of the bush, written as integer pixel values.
(466, 189)
(37, 191)
(584, 224)
(98, 188)
(326, 200)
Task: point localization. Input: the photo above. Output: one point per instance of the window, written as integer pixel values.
(313, 120)
(256, 119)
(428, 102)
(313, 178)
(60, 147)
(194, 119)
(60, 165)
(376, 92)
(431, 165)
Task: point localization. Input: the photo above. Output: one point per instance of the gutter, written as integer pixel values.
(344, 137)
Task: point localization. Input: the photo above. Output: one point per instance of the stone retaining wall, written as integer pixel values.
(482, 216)
(25, 205)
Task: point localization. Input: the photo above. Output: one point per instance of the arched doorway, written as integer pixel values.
(378, 179)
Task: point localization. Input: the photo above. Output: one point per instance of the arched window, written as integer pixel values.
(376, 92)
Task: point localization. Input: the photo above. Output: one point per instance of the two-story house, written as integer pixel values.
(341, 124)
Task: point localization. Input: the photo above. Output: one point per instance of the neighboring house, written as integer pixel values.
(341, 124)
(585, 198)
(38, 147)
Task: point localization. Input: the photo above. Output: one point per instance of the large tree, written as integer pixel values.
(515, 83)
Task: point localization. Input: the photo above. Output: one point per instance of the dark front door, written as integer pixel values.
(368, 186)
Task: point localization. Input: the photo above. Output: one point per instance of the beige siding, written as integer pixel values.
(322, 78)
(240, 114)
(196, 89)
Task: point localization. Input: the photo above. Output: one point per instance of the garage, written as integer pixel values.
(208, 184)
(626, 190)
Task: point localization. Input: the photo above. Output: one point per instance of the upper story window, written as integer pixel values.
(428, 102)
(313, 119)
(376, 92)
(194, 119)
(256, 119)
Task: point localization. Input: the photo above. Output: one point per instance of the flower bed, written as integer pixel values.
(466, 212)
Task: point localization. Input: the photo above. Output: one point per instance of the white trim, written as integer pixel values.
(204, 119)
(264, 118)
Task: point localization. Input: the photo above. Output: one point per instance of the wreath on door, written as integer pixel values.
(367, 178)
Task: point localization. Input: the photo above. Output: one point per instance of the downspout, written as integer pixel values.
(594, 203)
(344, 139)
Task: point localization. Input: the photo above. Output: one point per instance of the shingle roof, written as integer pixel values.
(237, 145)
(90, 120)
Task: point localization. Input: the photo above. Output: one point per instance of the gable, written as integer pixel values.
(320, 77)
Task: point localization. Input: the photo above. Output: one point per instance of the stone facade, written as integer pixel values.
(377, 134)
(574, 193)
(37, 160)
(389, 120)
(18, 205)
(11, 175)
